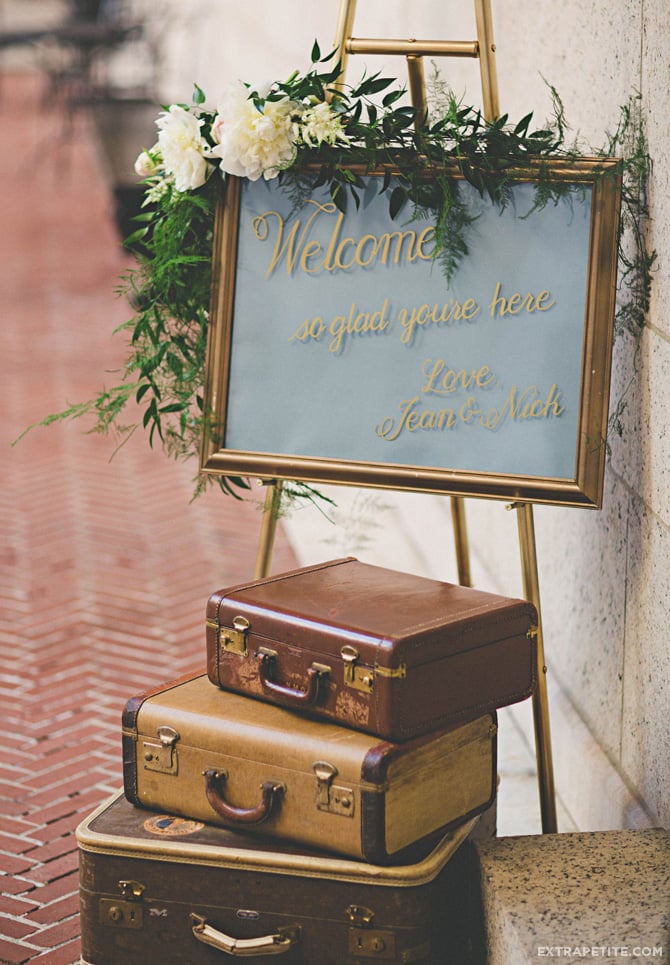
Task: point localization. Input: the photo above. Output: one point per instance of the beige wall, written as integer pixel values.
(604, 576)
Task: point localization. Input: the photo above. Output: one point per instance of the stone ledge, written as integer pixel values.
(580, 896)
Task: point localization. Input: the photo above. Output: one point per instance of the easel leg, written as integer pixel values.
(268, 529)
(487, 64)
(461, 540)
(545, 767)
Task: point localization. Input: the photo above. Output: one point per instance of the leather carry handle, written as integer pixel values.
(311, 695)
(271, 792)
(281, 941)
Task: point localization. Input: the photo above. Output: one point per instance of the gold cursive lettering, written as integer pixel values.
(420, 315)
(357, 323)
(520, 405)
(296, 248)
(412, 421)
(516, 302)
(527, 404)
(441, 380)
(313, 329)
(293, 248)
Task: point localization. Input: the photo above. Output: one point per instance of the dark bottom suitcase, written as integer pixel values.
(157, 890)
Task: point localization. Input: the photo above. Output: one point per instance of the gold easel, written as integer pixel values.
(483, 48)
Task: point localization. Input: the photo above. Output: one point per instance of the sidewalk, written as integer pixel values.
(105, 565)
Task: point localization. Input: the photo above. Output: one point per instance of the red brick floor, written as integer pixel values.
(105, 566)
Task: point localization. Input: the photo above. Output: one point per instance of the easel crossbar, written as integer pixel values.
(413, 48)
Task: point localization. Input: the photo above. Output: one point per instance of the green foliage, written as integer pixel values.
(636, 261)
(415, 149)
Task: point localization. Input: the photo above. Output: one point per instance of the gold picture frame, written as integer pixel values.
(386, 405)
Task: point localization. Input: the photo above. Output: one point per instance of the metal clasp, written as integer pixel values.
(358, 678)
(235, 640)
(359, 915)
(120, 913)
(161, 755)
(332, 797)
(365, 941)
(131, 889)
(123, 912)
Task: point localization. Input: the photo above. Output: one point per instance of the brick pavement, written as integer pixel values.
(105, 566)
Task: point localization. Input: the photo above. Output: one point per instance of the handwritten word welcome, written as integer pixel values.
(298, 249)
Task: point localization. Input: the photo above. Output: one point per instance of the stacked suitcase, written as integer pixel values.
(308, 794)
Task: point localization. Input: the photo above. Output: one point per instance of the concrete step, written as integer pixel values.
(582, 896)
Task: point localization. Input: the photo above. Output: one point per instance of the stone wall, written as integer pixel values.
(603, 575)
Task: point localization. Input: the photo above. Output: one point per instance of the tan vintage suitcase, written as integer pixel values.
(162, 890)
(390, 653)
(208, 754)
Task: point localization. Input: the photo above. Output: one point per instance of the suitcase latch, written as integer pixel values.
(366, 941)
(123, 912)
(332, 797)
(120, 913)
(373, 943)
(235, 640)
(161, 754)
(359, 678)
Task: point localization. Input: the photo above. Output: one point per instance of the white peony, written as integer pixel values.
(253, 143)
(322, 125)
(182, 147)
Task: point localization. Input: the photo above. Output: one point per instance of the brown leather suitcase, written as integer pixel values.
(389, 653)
(155, 888)
(212, 755)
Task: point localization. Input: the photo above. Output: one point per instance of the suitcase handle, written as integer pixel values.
(282, 941)
(316, 676)
(271, 792)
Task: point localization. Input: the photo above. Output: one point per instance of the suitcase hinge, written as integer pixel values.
(359, 678)
(393, 672)
(161, 755)
(235, 640)
(332, 797)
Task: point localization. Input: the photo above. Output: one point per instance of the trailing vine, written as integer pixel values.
(636, 260)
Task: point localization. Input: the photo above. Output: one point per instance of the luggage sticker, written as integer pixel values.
(171, 826)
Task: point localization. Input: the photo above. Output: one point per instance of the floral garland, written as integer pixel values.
(272, 132)
(251, 134)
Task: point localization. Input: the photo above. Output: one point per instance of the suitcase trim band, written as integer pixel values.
(274, 862)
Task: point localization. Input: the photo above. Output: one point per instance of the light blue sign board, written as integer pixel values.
(497, 390)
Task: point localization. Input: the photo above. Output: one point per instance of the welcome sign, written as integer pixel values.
(339, 352)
